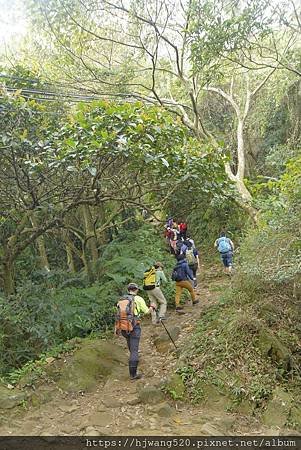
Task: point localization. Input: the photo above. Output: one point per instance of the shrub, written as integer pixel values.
(59, 306)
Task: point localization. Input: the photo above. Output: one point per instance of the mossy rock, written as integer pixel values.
(278, 410)
(11, 398)
(164, 410)
(150, 395)
(41, 396)
(295, 417)
(175, 387)
(95, 361)
(271, 346)
(217, 398)
(245, 408)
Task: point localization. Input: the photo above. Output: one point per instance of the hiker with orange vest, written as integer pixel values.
(129, 310)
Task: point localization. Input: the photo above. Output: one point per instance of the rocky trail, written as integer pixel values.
(118, 406)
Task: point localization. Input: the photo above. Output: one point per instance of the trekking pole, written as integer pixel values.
(168, 333)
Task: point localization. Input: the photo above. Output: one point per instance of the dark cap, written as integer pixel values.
(133, 287)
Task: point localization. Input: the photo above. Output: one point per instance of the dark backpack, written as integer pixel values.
(176, 274)
(179, 245)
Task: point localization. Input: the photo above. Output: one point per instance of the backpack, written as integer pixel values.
(183, 226)
(190, 257)
(177, 274)
(179, 246)
(149, 279)
(125, 319)
(224, 245)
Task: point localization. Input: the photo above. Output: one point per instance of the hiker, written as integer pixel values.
(145, 214)
(183, 229)
(179, 247)
(151, 284)
(183, 277)
(173, 237)
(169, 222)
(129, 309)
(192, 258)
(225, 247)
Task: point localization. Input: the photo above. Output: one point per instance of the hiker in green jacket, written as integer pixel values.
(156, 296)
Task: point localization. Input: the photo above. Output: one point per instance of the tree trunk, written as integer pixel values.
(244, 197)
(8, 276)
(87, 265)
(89, 232)
(44, 263)
(69, 253)
(104, 236)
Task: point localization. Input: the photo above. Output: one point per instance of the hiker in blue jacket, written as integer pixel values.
(183, 277)
(225, 247)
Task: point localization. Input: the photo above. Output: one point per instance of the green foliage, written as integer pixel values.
(45, 315)
(132, 253)
(222, 29)
(249, 342)
(271, 253)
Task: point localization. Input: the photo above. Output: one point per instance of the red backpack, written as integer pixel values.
(183, 226)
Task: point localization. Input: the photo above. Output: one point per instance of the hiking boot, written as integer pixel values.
(136, 377)
(179, 310)
(162, 318)
(196, 302)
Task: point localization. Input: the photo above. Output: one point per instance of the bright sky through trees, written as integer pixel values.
(12, 21)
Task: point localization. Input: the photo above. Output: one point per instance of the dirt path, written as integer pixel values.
(113, 409)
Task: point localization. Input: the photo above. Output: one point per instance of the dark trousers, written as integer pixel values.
(132, 340)
(183, 234)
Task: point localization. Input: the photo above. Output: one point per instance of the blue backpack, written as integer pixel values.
(224, 245)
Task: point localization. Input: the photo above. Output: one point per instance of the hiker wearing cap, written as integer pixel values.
(183, 229)
(151, 284)
(130, 308)
(183, 277)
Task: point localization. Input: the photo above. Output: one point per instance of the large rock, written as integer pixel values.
(282, 411)
(215, 397)
(150, 395)
(270, 346)
(163, 342)
(295, 417)
(10, 398)
(278, 409)
(245, 408)
(164, 410)
(210, 430)
(95, 361)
